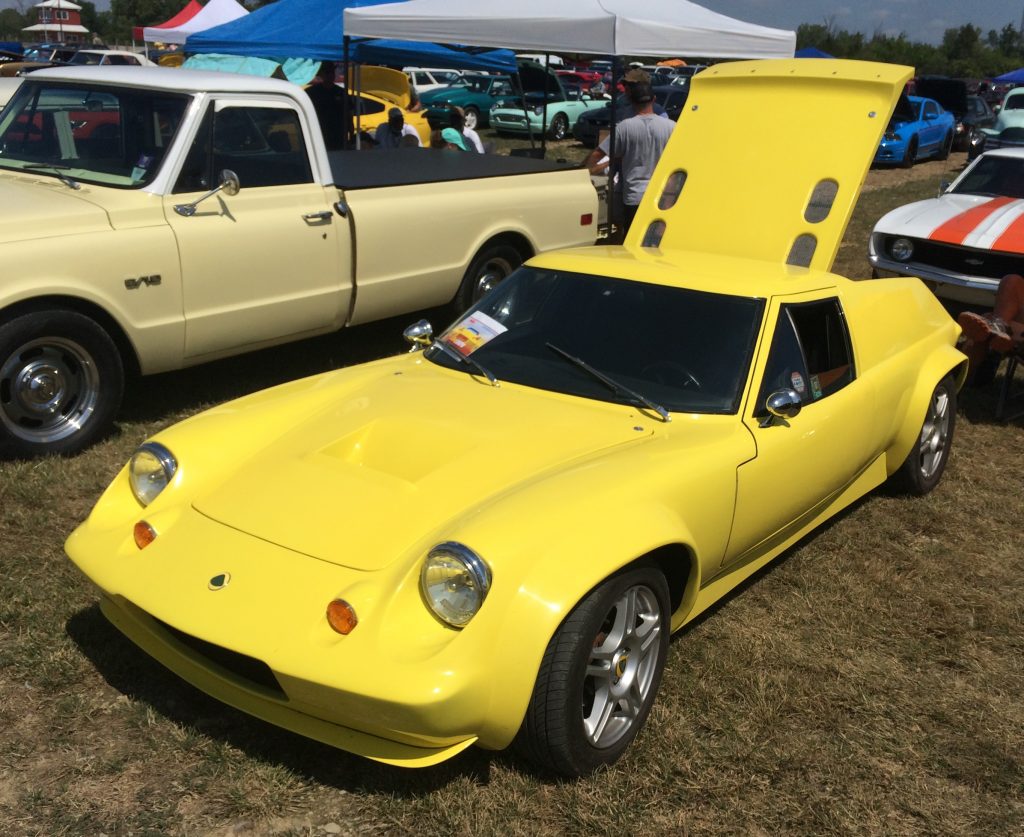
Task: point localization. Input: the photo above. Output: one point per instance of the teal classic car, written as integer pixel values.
(476, 94)
(564, 107)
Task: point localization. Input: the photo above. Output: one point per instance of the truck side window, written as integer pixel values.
(810, 352)
(263, 146)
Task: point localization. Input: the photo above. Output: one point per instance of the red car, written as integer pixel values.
(584, 79)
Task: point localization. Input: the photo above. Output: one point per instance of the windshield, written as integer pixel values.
(994, 175)
(86, 57)
(686, 350)
(95, 134)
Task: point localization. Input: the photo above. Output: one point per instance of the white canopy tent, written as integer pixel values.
(213, 14)
(604, 27)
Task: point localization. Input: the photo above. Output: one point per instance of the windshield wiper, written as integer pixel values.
(612, 384)
(448, 350)
(57, 168)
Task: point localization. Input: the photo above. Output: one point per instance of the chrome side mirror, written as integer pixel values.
(420, 335)
(781, 404)
(229, 185)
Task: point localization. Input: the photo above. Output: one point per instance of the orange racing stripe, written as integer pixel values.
(957, 228)
(1012, 239)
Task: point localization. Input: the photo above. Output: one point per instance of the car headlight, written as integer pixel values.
(902, 249)
(150, 471)
(890, 136)
(454, 581)
(538, 110)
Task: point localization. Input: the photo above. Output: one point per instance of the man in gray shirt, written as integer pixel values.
(639, 142)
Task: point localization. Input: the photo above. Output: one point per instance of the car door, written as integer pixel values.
(271, 262)
(804, 461)
(933, 132)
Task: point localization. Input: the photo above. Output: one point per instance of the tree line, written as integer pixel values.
(965, 52)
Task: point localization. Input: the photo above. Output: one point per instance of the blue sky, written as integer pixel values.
(922, 20)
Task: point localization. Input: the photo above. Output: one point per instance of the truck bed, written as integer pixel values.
(403, 166)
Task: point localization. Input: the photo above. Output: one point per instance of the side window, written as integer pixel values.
(930, 111)
(810, 352)
(263, 146)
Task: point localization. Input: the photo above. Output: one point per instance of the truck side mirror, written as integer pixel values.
(229, 185)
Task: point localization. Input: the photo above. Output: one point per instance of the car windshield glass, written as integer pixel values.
(478, 84)
(94, 134)
(994, 175)
(85, 57)
(688, 351)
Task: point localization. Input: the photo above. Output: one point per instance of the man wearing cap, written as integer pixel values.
(639, 142)
(388, 136)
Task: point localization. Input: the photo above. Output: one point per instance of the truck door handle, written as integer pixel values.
(322, 217)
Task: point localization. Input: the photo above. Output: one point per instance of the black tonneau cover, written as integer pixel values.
(404, 166)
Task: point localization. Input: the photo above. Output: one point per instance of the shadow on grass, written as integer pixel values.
(130, 671)
(153, 397)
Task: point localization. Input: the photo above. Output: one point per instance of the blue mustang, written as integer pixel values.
(918, 130)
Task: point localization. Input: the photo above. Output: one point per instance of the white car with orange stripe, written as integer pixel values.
(964, 241)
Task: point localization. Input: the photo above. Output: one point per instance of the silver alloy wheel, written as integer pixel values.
(49, 388)
(491, 273)
(472, 118)
(622, 666)
(935, 433)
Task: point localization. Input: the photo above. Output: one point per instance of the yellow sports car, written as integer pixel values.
(489, 539)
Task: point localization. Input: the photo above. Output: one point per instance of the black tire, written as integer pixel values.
(597, 664)
(472, 118)
(489, 267)
(911, 154)
(559, 129)
(924, 465)
(945, 148)
(61, 382)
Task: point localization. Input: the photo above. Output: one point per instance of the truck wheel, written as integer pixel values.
(488, 268)
(599, 676)
(559, 127)
(61, 381)
(472, 118)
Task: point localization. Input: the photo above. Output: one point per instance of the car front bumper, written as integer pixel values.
(891, 151)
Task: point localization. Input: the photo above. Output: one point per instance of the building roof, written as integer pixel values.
(57, 4)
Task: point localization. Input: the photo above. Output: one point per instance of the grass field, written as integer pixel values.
(869, 682)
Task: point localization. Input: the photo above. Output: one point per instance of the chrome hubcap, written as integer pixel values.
(621, 668)
(48, 389)
(934, 434)
(492, 273)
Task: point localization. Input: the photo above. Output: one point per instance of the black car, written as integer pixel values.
(668, 99)
(970, 112)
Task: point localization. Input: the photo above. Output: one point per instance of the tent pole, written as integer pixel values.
(526, 111)
(544, 113)
(610, 196)
(345, 114)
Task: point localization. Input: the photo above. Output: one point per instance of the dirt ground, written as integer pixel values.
(937, 170)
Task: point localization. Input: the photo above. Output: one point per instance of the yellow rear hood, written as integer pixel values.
(363, 481)
(754, 140)
(382, 82)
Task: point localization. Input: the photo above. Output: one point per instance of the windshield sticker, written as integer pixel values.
(815, 387)
(798, 383)
(472, 332)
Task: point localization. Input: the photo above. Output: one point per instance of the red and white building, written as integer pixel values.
(59, 20)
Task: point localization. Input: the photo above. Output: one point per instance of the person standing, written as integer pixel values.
(639, 142)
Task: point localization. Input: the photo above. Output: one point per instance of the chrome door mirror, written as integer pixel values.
(420, 335)
(229, 185)
(782, 404)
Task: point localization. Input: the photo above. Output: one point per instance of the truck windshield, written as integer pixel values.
(96, 134)
(686, 350)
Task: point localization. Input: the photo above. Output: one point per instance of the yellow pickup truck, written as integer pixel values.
(156, 219)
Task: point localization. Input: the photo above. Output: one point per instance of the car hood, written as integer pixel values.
(978, 221)
(43, 207)
(449, 95)
(402, 457)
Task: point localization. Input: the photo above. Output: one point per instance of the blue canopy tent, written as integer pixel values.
(811, 52)
(1013, 77)
(312, 29)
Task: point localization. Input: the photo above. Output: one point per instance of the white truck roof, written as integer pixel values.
(170, 79)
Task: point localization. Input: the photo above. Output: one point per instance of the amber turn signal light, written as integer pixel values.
(144, 534)
(341, 617)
